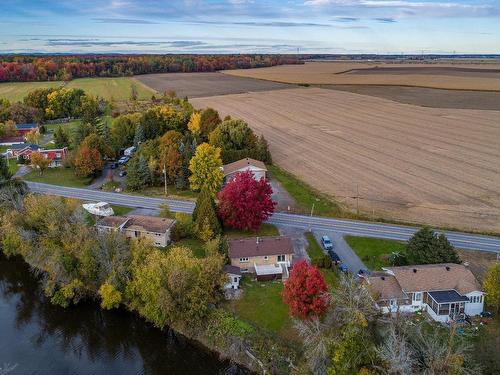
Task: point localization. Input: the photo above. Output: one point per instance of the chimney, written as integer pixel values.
(414, 270)
(382, 277)
(257, 240)
(447, 268)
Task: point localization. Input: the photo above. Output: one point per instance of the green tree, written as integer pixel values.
(61, 138)
(206, 222)
(123, 130)
(90, 109)
(233, 135)
(110, 297)
(138, 175)
(492, 287)
(426, 247)
(139, 136)
(209, 121)
(4, 170)
(205, 167)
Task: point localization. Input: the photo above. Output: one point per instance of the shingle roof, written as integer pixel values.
(11, 140)
(232, 269)
(385, 286)
(243, 163)
(260, 246)
(31, 146)
(113, 221)
(444, 296)
(149, 223)
(436, 277)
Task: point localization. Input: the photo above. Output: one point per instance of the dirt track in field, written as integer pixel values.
(194, 85)
(423, 165)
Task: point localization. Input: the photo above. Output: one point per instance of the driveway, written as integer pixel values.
(343, 250)
(285, 201)
(299, 241)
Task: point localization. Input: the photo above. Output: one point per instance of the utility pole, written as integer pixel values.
(312, 209)
(357, 199)
(165, 178)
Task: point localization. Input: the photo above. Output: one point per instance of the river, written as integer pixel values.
(37, 337)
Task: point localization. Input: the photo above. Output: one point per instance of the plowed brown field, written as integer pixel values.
(456, 76)
(425, 165)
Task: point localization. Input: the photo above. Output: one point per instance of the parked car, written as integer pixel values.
(123, 160)
(327, 243)
(343, 268)
(122, 173)
(113, 165)
(335, 258)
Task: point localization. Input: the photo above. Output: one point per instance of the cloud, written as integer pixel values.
(263, 23)
(385, 19)
(346, 19)
(124, 20)
(131, 43)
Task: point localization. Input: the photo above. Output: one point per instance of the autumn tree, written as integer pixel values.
(34, 137)
(427, 247)
(205, 167)
(91, 109)
(123, 130)
(246, 203)
(88, 161)
(194, 124)
(39, 161)
(94, 141)
(209, 120)
(492, 287)
(305, 291)
(8, 129)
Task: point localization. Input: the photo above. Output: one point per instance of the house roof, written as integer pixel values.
(23, 146)
(232, 269)
(12, 140)
(113, 221)
(385, 286)
(149, 223)
(260, 246)
(26, 126)
(446, 276)
(241, 164)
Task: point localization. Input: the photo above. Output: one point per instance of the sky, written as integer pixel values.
(250, 26)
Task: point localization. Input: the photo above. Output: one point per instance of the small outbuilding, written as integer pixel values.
(257, 167)
(233, 275)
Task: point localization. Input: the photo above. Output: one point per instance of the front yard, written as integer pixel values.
(314, 250)
(264, 230)
(375, 252)
(59, 176)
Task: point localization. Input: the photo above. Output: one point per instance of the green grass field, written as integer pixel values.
(265, 230)
(306, 196)
(196, 245)
(59, 176)
(314, 249)
(263, 306)
(374, 252)
(118, 89)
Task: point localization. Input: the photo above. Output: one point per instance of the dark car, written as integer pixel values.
(122, 173)
(333, 255)
(363, 272)
(343, 268)
(113, 165)
(327, 243)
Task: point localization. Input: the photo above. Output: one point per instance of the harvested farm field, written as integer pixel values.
(452, 76)
(195, 85)
(425, 97)
(409, 163)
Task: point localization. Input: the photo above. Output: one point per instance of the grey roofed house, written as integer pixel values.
(233, 270)
(257, 167)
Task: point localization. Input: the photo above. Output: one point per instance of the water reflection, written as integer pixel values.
(44, 339)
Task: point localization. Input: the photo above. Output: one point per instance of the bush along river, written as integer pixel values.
(37, 337)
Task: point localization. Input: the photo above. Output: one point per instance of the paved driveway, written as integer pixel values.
(299, 241)
(344, 251)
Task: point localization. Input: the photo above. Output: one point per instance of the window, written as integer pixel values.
(137, 233)
(244, 270)
(244, 260)
(281, 258)
(235, 279)
(58, 155)
(157, 243)
(417, 296)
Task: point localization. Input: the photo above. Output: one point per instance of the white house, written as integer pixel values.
(234, 277)
(257, 167)
(446, 291)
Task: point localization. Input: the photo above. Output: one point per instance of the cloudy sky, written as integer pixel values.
(251, 26)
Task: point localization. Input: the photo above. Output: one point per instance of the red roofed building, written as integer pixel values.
(24, 152)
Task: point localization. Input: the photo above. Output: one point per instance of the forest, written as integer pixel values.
(23, 68)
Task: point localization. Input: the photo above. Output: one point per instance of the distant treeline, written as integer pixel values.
(21, 68)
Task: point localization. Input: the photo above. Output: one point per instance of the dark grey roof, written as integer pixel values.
(26, 126)
(31, 146)
(232, 269)
(444, 296)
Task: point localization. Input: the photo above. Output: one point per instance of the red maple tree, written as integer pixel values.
(246, 203)
(305, 292)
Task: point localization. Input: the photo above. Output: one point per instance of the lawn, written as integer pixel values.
(373, 251)
(118, 89)
(314, 250)
(68, 126)
(197, 246)
(121, 210)
(486, 346)
(173, 192)
(262, 305)
(265, 230)
(305, 195)
(59, 176)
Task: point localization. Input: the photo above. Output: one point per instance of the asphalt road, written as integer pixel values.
(317, 224)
